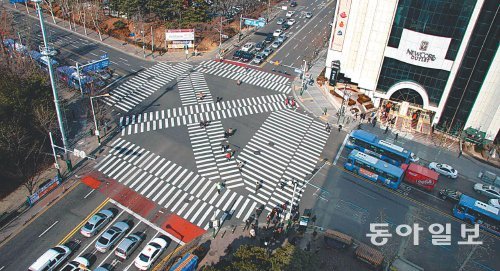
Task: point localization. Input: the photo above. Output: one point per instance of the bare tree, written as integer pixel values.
(51, 9)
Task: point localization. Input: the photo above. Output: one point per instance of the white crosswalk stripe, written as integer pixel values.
(140, 87)
(193, 89)
(246, 75)
(286, 147)
(171, 186)
(193, 114)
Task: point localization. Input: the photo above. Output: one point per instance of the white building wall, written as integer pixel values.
(485, 114)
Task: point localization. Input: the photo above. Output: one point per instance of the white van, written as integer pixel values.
(51, 259)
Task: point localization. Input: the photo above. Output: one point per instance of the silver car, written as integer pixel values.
(96, 223)
(127, 246)
(280, 21)
(111, 236)
(487, 190)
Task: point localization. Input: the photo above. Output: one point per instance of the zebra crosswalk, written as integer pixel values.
(286, 147)
(193, 89)
(189, 195)
(210, 157)
(140, 87)
(193, 114)
(246, 75)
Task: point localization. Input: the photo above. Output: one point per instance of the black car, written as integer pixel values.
(450, 194)
(285, 26)
(237, 54)
(260, 46)
(293, 4)
(246, 56)
(269, 38)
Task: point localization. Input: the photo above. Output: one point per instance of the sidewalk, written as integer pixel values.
(428, 147)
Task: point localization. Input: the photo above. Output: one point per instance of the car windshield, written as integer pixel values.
(144, 258)
(155, 245)
(59, 250)
(103, 241)
(89, 226)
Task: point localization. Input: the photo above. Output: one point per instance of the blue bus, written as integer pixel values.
(372, 145)
(374, 169)
(474, 211)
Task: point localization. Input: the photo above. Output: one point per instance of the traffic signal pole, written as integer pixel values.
(48, 54)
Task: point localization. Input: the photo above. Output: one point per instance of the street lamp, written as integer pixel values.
(220, 35)
(93, 114)
(46, 52)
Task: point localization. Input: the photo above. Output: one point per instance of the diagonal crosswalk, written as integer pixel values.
(286, 147)
(140, 87)
(171, 186)
(193, 89)
(193, 114)
(246, 75)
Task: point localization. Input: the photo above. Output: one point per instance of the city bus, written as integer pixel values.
(474, 211)
(372, 145)
(374, 169)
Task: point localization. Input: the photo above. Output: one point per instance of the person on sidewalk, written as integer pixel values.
(325, 110)
(340, 127)
(396, 136)
(386, 129)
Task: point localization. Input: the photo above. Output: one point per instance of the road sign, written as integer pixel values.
(79, 153)
(253, 22)
(97, 65)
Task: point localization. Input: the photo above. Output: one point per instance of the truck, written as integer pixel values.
(187, 263)
(420, 176)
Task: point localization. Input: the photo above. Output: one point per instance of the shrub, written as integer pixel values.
(119, 24)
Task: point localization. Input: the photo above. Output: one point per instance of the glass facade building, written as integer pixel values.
(446, 18)
(477, 60)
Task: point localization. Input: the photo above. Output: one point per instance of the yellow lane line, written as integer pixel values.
(72, 232)
(38, 215)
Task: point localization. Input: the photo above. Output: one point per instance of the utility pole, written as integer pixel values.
(268, 10)
(152, 43)
(55, 156)
(220, 38)
(46, 52)
(239, 33)
(341, 110)
(93, 114)
(79, 78)
(303, 77)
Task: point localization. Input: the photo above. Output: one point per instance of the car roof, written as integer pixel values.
(49, 254)
(126, 242)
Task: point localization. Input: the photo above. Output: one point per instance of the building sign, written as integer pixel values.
(341, 25)
(179, 34)
(181, 44)
(44, 190)
(422, 50)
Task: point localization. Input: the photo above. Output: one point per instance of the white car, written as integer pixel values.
(280, 21)
(277, 32)
(247, 47)
(150, 253)
(495, 203)
(309, 15)
(276, 44)
(444, 169)
(79, 263)
(487, 190)
(259, 58)
(282, 38)
(290, 21)
(290, 13)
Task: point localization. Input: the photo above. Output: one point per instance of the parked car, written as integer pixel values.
(293, 4)
(285, 26)
(247, 47)
(309, 15)
(450, 194)
(444, 169)
(259, 58)
(277, 32)
(487, 190)
(276, 44)
(260, 46)
(51, 259)
(290, 13)
(96, 223)
(247, 56)
(77, 264)
(269, 38)
(290, 22)
(111, 236)
(127, 246)
(268, 51)
(237, 54)
(150, 253)
(495, 203)
(280, 20)
(282, 38)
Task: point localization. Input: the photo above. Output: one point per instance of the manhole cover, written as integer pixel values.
(270, 144)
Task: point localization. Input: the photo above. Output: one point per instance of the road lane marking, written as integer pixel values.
(48, 229)
(72, 232)
(123, 59)
(93, 54)
(340, 150)
(88, 194)
(5, 241)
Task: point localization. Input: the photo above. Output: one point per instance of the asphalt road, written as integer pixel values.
(72, 47)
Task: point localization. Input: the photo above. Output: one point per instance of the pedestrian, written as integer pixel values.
(356, 116)
(325, 110)
(396, 136)
(386, 129)
(257, 186)
(293, 103)
(222, 146)
(327, 126)
(252, 233)
(286, 101)
(219, 187)
(369, 120)
(228, 156)
(374, 122)
(247, 224)
(240, 165)
(340, 127)
(233, 153)
(225, 134)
